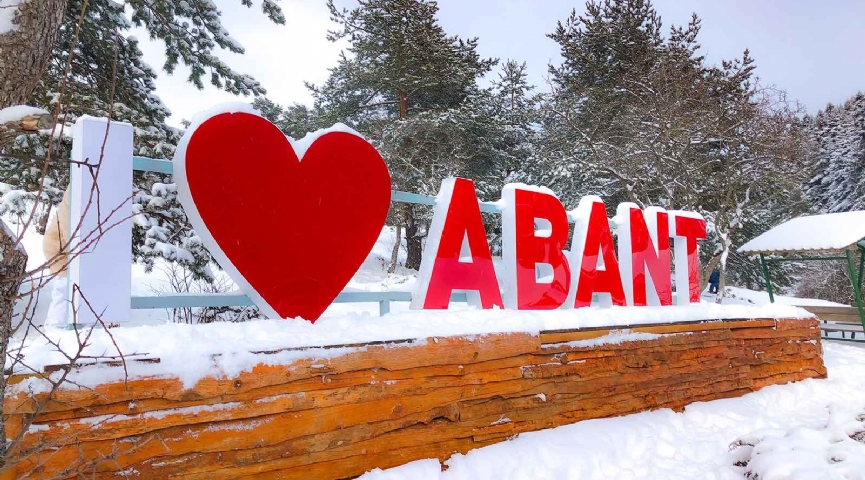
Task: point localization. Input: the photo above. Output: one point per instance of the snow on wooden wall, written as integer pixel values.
(387, 404)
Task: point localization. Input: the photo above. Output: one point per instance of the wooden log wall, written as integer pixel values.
(385, 405)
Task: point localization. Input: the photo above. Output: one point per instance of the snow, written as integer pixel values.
(301, 145)
(203, 116)
(616, 337)
(8, 9)
(510, 187)
(832, 231)
(751, 297)
(192, 352)
(809, 452)
(17, 112)
(798, 428)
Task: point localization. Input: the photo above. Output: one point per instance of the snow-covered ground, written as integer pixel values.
(751, 297)
(799, 431)
(372, 276)
(804, 430)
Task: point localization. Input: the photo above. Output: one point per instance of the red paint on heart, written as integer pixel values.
(297, 231)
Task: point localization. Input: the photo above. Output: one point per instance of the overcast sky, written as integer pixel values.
(812, 49)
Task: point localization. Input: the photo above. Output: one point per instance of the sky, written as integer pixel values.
(811, 49)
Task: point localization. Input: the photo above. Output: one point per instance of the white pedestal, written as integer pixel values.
(100, 278)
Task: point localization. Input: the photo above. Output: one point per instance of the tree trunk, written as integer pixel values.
(722, 270)
(13, 262)
(722, 284)
(25, 50)
(712, 265)
(394, 254)
(413, 245)
(403, 106)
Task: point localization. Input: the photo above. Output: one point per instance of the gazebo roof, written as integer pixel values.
(828, 232)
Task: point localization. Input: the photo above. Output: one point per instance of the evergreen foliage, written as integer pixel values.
(99, 70)
(837, 184)
(633, 113)
(838, 162)
(401, 66)
(635, 116)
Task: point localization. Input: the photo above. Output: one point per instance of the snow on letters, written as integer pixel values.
(538, 273)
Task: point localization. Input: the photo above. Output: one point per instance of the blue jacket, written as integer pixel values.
(715, 277)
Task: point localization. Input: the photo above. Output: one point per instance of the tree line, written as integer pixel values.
(633, 112)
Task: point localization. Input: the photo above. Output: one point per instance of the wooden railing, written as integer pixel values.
(841, 320)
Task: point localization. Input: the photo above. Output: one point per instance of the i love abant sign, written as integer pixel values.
(292, 223)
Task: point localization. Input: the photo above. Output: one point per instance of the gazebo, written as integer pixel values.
(828, 237)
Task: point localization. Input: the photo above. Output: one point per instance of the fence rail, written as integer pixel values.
(195, 300)
(200, 300)
(144, 164)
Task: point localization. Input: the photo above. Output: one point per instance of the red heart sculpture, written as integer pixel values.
(292, 233)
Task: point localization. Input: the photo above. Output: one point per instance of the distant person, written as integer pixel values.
(714, 279)
(54, 246)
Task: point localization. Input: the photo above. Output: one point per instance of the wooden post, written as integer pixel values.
(767, 277)
(861, 264)
(857, 293)
(100, 278)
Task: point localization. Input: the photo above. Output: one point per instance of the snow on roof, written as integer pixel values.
(831, 231)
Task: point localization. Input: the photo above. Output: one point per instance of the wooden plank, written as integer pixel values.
(339, 417)
(138, 424)
(229, 460)
(435, 351)
(854, 319)
(439, 376)
(835, 327)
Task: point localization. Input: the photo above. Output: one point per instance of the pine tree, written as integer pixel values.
(837, 184)
(295, 121)
(838, 161)
(107, 76)
(400, 64)
(516, 107)
(637, 117)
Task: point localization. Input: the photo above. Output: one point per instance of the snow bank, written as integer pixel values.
(738, 295)
(835, 449)
(695, 443)
(192, 352)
